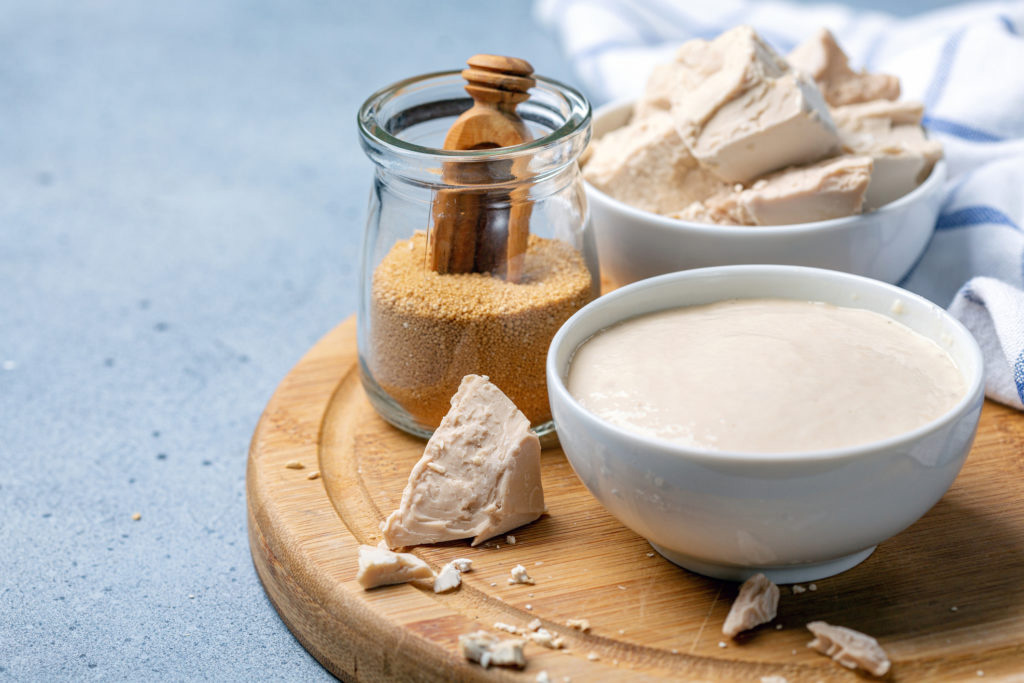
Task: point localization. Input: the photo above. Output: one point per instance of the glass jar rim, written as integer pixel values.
(577, 122)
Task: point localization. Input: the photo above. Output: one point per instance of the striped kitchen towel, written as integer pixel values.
(966, 64)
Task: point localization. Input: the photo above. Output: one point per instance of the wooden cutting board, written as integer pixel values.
(945, 597)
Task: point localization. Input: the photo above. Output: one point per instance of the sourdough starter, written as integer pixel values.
(765, 375)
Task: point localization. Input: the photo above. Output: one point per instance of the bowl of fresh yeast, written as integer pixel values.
(735, 154)
(765, 418)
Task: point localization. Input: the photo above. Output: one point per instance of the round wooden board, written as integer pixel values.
(945, 597)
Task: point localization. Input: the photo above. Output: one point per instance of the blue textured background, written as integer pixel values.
(181, 203)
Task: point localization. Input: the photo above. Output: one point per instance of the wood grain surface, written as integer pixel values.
(945, 598)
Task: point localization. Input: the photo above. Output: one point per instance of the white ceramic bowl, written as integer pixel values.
(795, 517)
(884, 244)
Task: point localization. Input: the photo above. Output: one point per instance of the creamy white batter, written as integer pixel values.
(765, 376)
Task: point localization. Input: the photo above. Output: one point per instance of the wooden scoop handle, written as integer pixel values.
(460, 240)
(501, 81)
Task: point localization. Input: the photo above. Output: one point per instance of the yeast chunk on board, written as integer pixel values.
(381, 567)
(850, 648)
(488, 650)
(479, 475)
(756, 604)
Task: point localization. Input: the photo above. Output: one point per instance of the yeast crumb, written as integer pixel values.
(582, 625)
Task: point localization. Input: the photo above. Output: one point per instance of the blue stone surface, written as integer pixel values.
(181, 205)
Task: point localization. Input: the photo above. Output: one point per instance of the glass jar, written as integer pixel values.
(421, 331)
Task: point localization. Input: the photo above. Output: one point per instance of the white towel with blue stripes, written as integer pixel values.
(965, 63)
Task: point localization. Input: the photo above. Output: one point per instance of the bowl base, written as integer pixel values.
(796, 573)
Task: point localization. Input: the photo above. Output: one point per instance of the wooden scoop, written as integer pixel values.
(467, 236)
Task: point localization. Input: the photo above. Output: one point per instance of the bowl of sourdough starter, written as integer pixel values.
(765, 418)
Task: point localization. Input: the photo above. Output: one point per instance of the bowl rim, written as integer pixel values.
(973, 393)
(929, 185)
